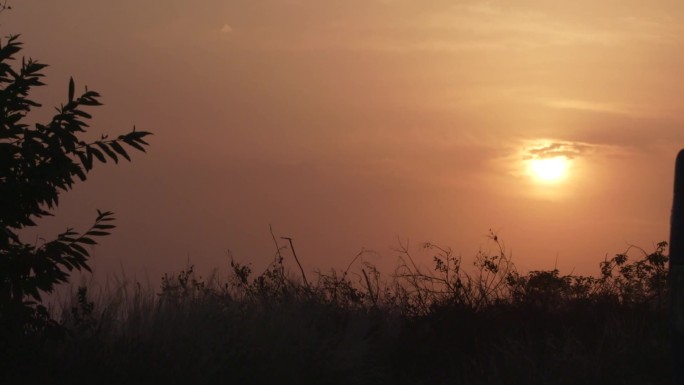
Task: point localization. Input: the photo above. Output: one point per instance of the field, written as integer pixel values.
(483, 323)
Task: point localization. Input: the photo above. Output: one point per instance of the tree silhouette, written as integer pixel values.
(37, 163)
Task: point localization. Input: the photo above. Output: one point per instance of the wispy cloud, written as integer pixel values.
(586, 105)
(226, 28)
(405, 26)
(568, 150)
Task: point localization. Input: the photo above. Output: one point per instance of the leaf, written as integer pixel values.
(103, 215)
(120, 150)
(79, 248)
(71, 90)
(86, 161)
(108, 151)
(82, 114)
(96, 233)
(98, 154)
(81, 175)
(138, 134)
(134, 145)
(103, 227)
(86, 240)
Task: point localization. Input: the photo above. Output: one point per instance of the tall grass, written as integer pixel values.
(447, 324)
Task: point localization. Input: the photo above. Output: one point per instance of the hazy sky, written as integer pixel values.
(349, 123)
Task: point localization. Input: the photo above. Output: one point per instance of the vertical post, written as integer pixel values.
(677, 271)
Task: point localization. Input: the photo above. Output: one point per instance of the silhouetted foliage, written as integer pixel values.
(444, 324)
(441, 324)
(37, 163)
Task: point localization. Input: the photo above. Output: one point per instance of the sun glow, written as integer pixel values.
(550, 169)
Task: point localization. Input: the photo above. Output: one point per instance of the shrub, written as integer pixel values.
(38, 162)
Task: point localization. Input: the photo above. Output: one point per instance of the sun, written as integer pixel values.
(550, 169)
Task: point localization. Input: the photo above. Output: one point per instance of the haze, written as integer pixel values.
(351, 124)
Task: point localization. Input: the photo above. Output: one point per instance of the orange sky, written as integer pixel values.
(348, 123)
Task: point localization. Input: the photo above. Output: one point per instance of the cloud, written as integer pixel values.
(226, 28)
(569, 150)
(584, 105)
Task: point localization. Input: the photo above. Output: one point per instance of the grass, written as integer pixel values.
(448, 324)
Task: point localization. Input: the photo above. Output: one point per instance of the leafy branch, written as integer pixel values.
(37, 163)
